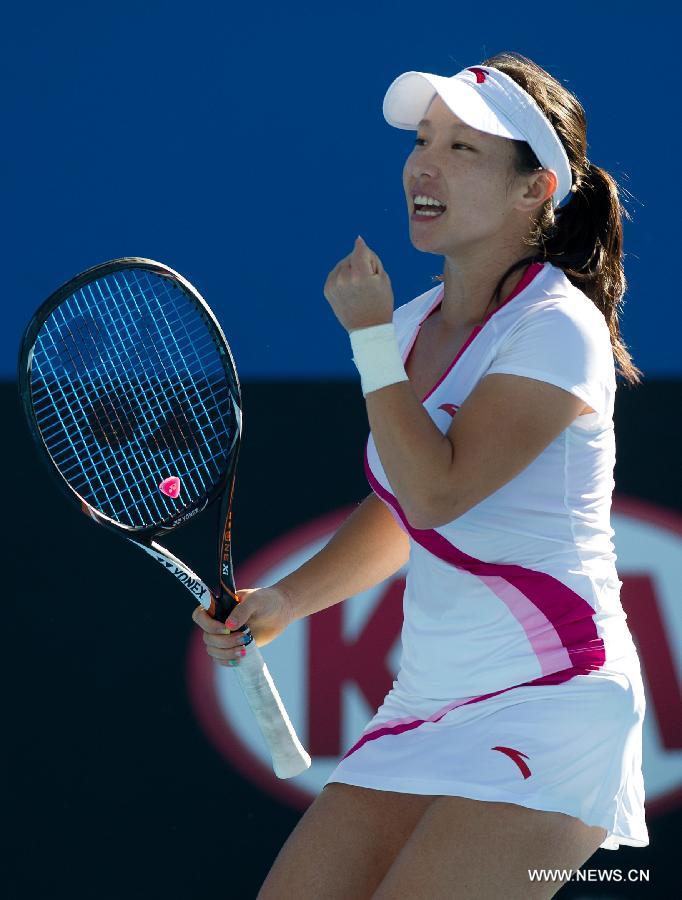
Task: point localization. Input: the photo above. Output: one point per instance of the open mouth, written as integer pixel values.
(425, 207)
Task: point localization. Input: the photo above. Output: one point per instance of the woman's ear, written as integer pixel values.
(539, 187)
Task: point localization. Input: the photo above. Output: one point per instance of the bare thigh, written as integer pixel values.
(465, 848)
(344, 844)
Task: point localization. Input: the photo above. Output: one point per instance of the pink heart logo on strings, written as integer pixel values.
(170, 487)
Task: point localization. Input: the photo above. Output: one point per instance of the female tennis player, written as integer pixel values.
(511, 739)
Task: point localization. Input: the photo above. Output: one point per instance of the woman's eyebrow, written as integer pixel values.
(427, 123)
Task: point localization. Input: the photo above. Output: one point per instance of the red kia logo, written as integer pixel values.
(334, 668)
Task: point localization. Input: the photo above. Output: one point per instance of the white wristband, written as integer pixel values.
(377, 357)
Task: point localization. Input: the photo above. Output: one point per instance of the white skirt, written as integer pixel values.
(573, 747)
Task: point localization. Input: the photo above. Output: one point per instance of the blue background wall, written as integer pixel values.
(245, 146)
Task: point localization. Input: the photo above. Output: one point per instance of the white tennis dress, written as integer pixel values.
(519, 680)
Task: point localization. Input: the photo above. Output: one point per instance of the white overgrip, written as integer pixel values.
(288, 755)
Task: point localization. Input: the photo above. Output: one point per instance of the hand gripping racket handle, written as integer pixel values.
(288, 756)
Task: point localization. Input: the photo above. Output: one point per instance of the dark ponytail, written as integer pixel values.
(584, 236)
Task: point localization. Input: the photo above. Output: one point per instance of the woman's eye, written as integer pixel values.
(419, 142)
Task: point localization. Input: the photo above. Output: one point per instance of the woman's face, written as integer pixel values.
(469, 171)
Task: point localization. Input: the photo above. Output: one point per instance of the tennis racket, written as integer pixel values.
(132, 396)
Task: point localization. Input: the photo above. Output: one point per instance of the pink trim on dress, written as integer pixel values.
(437, 300)
(398, 726)
(540, 631)
(531, 271)
(567, 613)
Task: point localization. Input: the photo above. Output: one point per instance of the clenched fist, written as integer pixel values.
(359, 291)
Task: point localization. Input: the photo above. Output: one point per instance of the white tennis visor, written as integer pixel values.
(488, 100)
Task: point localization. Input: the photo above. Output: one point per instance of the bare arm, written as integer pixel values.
(502, 426)
(367, 548)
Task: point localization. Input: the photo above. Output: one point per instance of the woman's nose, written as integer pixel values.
(424, 163)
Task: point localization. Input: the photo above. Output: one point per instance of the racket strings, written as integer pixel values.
(115, 432)
(154, 396)
(118, 418)
(82, 405)
(56, 407)
(184, 404)
(120, 475)
(114, 403)
(128, 471)
(178, 412)
(151, 501)
(209, 377)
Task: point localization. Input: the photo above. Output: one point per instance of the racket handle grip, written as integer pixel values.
(288, 755)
